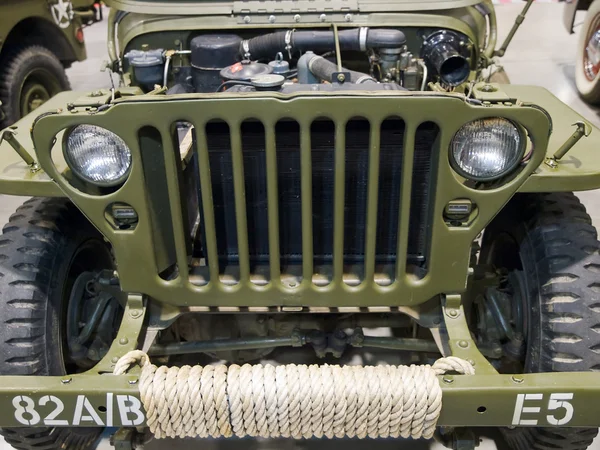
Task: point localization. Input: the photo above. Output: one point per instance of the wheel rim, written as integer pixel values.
(591, 52)
(83, 308)
(37, 88)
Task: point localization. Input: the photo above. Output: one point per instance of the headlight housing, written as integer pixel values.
(97, 155)
(487, 149)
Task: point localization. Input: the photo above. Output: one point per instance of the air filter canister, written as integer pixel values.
(210, 54)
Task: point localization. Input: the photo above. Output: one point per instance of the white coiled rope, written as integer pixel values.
(295, 401)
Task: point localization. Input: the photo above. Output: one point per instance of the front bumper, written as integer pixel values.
(98, 398)
(509, 400)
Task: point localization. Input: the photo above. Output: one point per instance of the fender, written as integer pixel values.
(579, 170)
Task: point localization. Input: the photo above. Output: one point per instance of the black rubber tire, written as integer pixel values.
(557, 249)
(16, 65)
(37, 248)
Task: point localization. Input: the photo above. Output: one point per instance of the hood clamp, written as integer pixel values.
(583, 129)
(9, 136)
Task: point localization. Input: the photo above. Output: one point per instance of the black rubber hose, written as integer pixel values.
(268, 45)
(324, 69)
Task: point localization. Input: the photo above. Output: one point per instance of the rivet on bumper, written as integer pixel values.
(453, 313)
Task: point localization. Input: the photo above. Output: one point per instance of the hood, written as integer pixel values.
(212, 7)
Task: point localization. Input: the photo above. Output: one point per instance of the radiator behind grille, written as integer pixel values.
(289, 178)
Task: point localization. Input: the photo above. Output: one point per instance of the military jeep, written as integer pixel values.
(301, 219)
(38, 40)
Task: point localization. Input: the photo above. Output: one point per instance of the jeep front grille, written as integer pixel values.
(316, 201)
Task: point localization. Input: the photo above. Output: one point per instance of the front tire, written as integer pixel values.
(41, 252)
(29, 76)
(549, 242)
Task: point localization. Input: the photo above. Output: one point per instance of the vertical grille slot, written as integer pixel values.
(273, 202)
(177, 204)
(287, 142)
(183, 137)
(218, 145)
(391, 157)
(307, 209)
(255, 183)
(155, 177)
(424, 165)
(372, 203)
(237, 157)
(339, 204)
(208, 233)
(358, 132)
(322, 147)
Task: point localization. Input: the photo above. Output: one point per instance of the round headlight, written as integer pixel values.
(487, 149)
(97, 155)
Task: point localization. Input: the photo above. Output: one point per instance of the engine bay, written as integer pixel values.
(289, 61)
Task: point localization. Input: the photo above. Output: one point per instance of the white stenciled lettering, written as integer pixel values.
(91, 416)
(520, 409)
(59, 407)
(25, 412)
(128, 406)
(558, 401)
(109, 409)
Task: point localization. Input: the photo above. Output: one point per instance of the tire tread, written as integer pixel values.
(10, 65)
(562, 242)
(27, 257)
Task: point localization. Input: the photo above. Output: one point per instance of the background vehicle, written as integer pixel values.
(38, 40)
(191, 223)
(89, 12)
(588, 49)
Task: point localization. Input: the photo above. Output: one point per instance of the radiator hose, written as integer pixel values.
(286, 42)
(324, 69)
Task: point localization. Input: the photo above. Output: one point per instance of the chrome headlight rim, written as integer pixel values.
(116, 183)
(520, 152)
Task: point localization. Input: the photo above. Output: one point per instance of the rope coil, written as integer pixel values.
(295, 401)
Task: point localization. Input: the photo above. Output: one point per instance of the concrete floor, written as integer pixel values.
(541, 54)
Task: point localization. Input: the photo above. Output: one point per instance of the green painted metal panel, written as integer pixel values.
(136, 256)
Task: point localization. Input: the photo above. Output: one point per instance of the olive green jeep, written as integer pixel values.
(38, 40)
(301, 219)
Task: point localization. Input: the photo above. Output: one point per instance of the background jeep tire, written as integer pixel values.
(44, 245)
(29, 76)
(589, 89)
(550, 238)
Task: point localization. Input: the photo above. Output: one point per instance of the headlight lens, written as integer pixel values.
(97, 155)
(487, 149)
